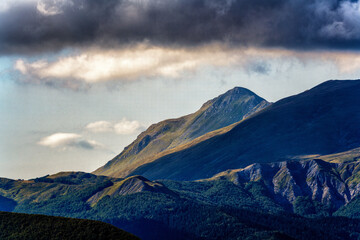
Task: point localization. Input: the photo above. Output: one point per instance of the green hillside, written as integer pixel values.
(222, 207)
(352, 209)
(17, 226)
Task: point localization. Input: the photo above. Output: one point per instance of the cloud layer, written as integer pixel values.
(145, 61)
(130, 63)
(47, 25)
(124, 127)
(69, 140)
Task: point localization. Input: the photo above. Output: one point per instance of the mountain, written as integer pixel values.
(351, 210)
(222, 111)
(331, 184)
(288, 171)
(85, 186)
(40, 227)
(321, 121)
(239, 204)
(128, 186)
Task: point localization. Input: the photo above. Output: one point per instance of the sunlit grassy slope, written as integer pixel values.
(217, 113)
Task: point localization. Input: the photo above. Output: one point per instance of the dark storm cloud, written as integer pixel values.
(260, 67)
(295, 24)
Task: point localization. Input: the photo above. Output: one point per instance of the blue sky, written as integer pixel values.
(70, 102)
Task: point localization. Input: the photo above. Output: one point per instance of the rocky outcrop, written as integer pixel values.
(328, 183)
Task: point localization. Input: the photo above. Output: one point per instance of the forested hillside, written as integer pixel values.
(16, 226)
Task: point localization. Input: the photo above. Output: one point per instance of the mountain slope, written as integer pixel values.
(82, 186)
(331, 184)
(226, 109)
(180, 210)
(39, 227)
(219, 208)
(7, 204)
(128, 186)
(323, 120)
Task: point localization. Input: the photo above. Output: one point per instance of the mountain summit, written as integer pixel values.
(224, 110)
(323, 120)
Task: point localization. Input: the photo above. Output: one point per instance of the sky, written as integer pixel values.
(80, 79)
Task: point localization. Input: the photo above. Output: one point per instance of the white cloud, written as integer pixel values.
(100, 127)
(143, 61)
(127, 127)
(92, 66)
(123, 127)
(66, 140)
(21, 66)
(52, 7)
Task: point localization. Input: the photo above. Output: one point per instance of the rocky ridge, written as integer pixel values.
(329, 183)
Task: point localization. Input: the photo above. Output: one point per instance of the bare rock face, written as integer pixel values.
(328, 183)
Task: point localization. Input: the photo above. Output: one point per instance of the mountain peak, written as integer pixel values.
(222, 111)
(236, 91)
(323, 120)
(130, 185)
(235, 94)
(239, 90)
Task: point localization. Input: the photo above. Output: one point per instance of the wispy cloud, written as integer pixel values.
(123, 127)
(69, 140)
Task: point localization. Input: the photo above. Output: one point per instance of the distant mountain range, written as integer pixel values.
(287, 200)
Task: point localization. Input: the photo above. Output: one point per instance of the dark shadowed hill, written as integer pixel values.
(323, 120)
(38, 227)
(226, 109)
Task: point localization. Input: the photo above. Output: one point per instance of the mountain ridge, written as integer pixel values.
(322, 120)
(333, 184)
(260, 201)
(222, 111)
